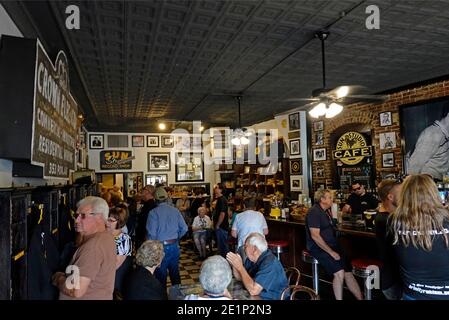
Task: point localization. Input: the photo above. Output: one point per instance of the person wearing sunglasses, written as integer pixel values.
(91, 272)
(359, 200)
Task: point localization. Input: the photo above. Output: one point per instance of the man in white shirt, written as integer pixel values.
(247, 222)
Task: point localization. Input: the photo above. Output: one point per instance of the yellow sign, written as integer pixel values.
(352, 148)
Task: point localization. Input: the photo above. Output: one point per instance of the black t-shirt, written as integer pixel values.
(318, 218)
(141, 228)
(425, 274)
(222, 206)
(361, 203)
(390, 269)
(142, 285)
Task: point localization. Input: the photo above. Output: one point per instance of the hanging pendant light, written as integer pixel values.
(239, 137)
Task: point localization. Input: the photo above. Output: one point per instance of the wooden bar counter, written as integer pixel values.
(354, 242)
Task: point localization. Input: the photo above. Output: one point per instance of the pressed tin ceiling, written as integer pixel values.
(140, 62)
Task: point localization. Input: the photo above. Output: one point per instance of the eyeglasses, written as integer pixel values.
(356, 189)
(112, 220)
(83, 215)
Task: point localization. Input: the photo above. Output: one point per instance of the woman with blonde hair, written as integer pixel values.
(419, 228)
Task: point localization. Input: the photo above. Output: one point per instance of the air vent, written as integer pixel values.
(117, 141)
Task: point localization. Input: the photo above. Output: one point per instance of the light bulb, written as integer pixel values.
(318, 111)
(342, 92)
(333, 110)
(235, 141)
(244, 140)
(162, 126)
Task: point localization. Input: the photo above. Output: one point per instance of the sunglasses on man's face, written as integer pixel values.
(356, 189)
(83, 215)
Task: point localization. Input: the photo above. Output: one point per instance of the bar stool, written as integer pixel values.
(308, 258)
(360, 269)
(278, 247)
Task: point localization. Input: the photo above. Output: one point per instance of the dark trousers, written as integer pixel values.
(222, 241)
(170, 262)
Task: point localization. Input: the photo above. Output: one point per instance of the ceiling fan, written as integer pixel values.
(329, 102)
(240, 134)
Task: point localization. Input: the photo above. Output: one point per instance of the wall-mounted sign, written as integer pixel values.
(116, 160)
(54, 117)
(352, 148)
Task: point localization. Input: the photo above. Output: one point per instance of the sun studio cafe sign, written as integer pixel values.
(55, 117)
(352, 148)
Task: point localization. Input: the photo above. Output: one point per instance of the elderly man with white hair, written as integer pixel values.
(262, 274)
(91, 273)
(215, 276)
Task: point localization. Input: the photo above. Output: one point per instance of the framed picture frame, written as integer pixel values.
(188, 142)
(387, 140)
(388, 160)
(167, 141)
(158, 161)
(319, 139)
(189, 167)
(96, 141)
(294, 135)
(296, 166)
(319, 154)
(318, 125)
(138, 141)
(296, 183)
(293, 122)
(153, 141)
(295, 147)
(319, 172)
(154, 179)
(385, 119)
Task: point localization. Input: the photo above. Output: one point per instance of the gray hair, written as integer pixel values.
(215, 274)
(150, 253)
(257, 240)
(99, 206)
(319, 194)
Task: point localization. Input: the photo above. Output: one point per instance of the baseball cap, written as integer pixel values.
(160, 194)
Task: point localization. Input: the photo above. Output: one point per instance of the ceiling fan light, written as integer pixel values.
(318, 111)
(244, 140)
(342, 92)
(333, 110)
(235, 141)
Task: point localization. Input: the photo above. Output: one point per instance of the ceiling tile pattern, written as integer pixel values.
(183, 60)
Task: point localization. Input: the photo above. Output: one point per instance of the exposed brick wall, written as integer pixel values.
(368, 114)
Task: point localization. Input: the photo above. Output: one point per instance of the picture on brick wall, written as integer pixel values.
(385, 119)
(388, 160)
(296, 166)
(319, 140)
(425, 131)
(293, 121)
(320, 172)
(295, 147)
(318, 126)
(387, 140)
(319, 154)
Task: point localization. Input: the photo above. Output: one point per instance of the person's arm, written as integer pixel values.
(182, 226)
(120, 260)
(59, 280)
(346, 209)
(250, 284)
(265, 231)
(425, 148)
(151, 227)
(196, 224)
(220, 219)
(315, 234)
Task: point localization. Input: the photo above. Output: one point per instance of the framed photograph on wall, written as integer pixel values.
(319, 154)
(96, 141)
(293, 122)
(153, 141)
(387, 140)
(189, 167)
(155, 179)
(296, 166)
(388, 160)
(138, 141)
(295, 147)
(385, 119)
(158, 161)
(319, 140)
(318, 125)
(320, 172)
(296, 183)
(167, 142)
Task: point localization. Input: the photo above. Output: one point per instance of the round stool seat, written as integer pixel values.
(360, 266)
(308, 258)
(278, 243)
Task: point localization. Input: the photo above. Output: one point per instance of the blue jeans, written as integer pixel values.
(170, 262)
(222, 241)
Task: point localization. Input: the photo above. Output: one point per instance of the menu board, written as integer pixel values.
(54, 117)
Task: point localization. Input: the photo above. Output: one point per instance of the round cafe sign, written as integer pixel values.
(351, 148)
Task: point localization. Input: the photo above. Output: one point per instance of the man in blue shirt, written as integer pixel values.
(262, 274)
(166, 224)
